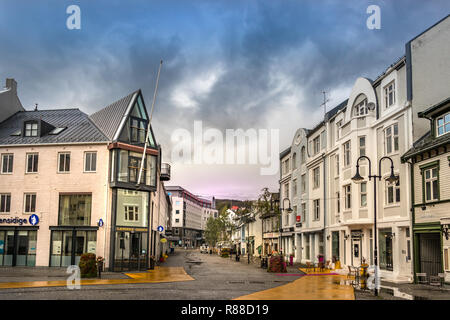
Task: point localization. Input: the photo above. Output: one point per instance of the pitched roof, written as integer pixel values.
(108, 119)
(427, 142)
(78, 127)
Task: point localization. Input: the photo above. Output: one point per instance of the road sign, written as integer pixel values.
(160, 229)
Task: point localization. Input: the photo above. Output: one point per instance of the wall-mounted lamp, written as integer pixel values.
(424, 207)
(346, 236)
(328, 237)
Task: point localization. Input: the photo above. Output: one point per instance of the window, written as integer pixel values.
(294, 161)
(389, 94)
(90, 161)
(337, 165)
(347, 154)
(361, 108)
(348, 196)
(316, 144)
(7, 163)
(286, 190)
(294, 187)
(129, 165)
(177, 211)
(316, 177)
(338, 129)
(303, 212)
(131, 213)
(317, 209)
(302, 155)
(443, 124)
(177, 220)
(32, 162)
(75, 209)
(393, 192)
(64, 162)
(303, 184)
(363, 192)
(338, 202)
(31, 129)
(391, 138)
(29, 203)
(323, 141)
(138, 130)
(5, 203)
(362, 146)
(431, 184)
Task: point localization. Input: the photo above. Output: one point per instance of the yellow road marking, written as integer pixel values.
(161, 274)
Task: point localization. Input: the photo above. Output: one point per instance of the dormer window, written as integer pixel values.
(361, 108)
(443, 124)
(389, 94)
(31, 129)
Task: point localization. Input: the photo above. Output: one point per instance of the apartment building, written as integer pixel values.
(188, 213)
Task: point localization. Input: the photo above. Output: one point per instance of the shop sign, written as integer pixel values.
(56, 247)
(129, 229)
(34, 219)
(91, 246)
(100, 223)
(15, 220)
(160, 228)
(299, 218)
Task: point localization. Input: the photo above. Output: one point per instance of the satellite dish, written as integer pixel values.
(371, 106)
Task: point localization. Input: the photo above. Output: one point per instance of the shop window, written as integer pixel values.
(18, 248)
(67, 246)
(75, 210)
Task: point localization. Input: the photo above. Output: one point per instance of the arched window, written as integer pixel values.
(360, 106)
(294, 161)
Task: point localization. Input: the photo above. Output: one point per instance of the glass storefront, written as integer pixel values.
(132, 236)
(67, 246)
(18, 247)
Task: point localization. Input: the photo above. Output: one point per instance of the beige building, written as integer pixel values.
(69, 185)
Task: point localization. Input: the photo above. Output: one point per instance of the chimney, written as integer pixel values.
(11, 84)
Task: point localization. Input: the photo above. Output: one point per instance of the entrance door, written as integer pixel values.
(430, 253)
(356, 252)
(130, 251)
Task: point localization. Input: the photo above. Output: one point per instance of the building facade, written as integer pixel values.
(69, 185)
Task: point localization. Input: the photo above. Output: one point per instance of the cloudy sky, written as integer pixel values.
(230, 64)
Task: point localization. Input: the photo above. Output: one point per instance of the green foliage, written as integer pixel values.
(266, 204)
(88, 265)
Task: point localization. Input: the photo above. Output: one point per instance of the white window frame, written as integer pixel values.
(90, 164)
(31, 129)
(338, 129)
(65, 154)
(316, 145)
(9, 169)
(25, 195)
(445, 121)
(316, 177)
(316, 207)
(389, 89)
(26, 164)
(362, 147)
(127, 211)
(393, 188)
(361, 110)
(347, 153)
(430, 180)
(5, 195)
(338, 169)
(303, 183)
(294, 187)
(391, 140)
(348, 196)
(363, 195)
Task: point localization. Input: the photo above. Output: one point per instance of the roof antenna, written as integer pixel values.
(149, 126)
(324, 104)
(35, 107)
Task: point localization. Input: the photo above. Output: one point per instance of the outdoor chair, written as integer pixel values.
(437, 281)
(350, 272)
(308, 266)
(422, 278)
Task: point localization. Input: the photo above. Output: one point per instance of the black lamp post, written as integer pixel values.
(289, 210)
(358, 178)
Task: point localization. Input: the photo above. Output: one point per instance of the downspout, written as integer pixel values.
(413, 219)
(324, 206)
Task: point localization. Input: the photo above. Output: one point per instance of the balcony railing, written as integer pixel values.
(165, 172)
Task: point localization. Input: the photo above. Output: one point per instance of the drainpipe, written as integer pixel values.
(324, 207)
(413, 221)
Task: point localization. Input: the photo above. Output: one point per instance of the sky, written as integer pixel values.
(231, 64)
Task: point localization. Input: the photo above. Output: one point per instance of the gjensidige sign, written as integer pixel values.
(32, 220)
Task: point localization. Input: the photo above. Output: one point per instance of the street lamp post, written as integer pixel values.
(289, 210)
(358, 178)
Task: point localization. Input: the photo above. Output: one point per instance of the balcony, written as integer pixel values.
(165, 172)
